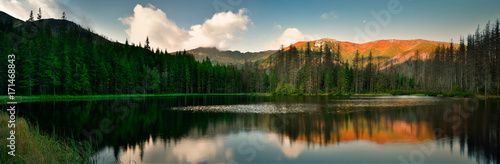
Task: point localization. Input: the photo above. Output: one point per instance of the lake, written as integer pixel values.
(278, 129)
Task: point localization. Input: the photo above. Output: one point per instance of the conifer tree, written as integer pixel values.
(39, 16)
(31, 19)
(146, 45)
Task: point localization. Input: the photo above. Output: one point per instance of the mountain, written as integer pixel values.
(384, 51)
(228, 57)
(54, 26)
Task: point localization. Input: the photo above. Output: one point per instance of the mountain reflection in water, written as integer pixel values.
(217, 129)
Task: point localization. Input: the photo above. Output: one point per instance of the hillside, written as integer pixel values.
(383, 51)
(25, 29)
(227, 57)
(60, 57)
(6, 18)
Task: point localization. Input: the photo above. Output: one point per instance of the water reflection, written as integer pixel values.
(215, 129)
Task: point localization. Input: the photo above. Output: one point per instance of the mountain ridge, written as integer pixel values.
(385, 52)
(228, 57)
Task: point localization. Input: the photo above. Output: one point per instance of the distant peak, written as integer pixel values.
(328, 40)
(206, 48)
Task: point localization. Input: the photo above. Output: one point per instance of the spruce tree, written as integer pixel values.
(85, 81)
(39, 16)
(31, 19)
(356, 77)
(147, 47)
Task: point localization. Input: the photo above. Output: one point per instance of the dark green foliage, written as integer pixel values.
(73, 62)
(458, 91)
(432, 93)
(427, 93)
(458, 94)
(401, 92)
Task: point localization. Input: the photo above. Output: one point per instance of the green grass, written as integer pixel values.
(488, 96)
(371, 94)
(34, 147)
(4, 99)
(329, 94)
(451, 93)
(458, 94)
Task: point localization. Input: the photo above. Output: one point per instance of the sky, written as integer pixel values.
(257, 25)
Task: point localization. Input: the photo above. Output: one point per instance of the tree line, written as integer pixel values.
(472, 68)
(320, 70)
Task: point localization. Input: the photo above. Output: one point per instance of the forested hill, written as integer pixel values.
(18, 29)
(59, 57)
(384, 52)
(228, 57)
(4, 18)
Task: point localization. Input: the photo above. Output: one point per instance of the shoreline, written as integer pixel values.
(4, 99)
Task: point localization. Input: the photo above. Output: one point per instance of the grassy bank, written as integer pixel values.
(433, 93)
(31, 146)
(488, 96)
(397, 93)
(73, 97)
(332, 94)
(4, 99)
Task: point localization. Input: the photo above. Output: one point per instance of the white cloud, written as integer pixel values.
(324, 16)
(291, 149)
(289, 36)
(196, 151)
(50, 9)
(220, 31)
(328, 15)
(278, 27)
(153, 23)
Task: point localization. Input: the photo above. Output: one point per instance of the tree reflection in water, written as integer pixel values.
(195, 123)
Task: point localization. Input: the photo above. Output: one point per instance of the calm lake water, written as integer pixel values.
(275, 129)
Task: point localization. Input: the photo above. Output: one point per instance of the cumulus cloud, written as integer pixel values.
(330, 14)
(291, 149)
(289, 36)
(50, 9)
(153, 23)
(197, 151)
(219, 31)
(278, 27)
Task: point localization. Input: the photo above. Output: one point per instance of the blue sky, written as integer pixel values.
(257, 27)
